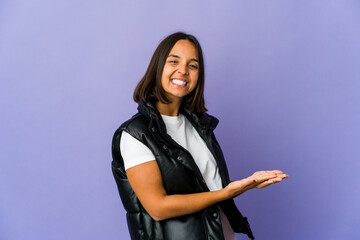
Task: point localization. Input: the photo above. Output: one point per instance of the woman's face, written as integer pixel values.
(181, 70)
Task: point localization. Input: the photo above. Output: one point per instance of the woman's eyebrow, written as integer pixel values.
(176, 56)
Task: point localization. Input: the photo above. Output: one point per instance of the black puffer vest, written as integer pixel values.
(180, 176)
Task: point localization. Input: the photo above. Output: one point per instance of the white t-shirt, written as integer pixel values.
(181, 131)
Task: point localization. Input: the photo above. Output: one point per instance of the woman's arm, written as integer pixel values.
(146, 181)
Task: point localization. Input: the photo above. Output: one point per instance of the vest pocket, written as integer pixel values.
(148, 225)
(188, 227)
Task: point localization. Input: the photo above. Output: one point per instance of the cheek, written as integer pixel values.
(167, 71)
(195, 78)
(164, 76)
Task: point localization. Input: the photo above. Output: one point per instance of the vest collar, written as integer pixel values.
(204, 121)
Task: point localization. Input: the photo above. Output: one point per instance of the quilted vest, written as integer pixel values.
(180, 176)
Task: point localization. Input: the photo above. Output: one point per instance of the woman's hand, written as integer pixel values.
(259, 179)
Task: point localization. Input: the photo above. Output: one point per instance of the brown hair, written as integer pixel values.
(149, 88)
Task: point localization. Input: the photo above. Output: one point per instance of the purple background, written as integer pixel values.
(281, 75)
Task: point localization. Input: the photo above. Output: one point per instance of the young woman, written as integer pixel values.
(168, 166)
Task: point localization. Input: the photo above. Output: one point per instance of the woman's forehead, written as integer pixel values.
(184, 48)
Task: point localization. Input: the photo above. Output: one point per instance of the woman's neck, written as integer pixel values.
(169, 109)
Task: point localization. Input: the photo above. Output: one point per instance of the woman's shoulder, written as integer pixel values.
(135, 126)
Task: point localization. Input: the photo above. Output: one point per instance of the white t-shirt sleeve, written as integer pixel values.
(133, 151)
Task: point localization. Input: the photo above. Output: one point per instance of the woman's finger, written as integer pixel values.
(264, 184)
(265, 174)
(270, 181)
(256, 179)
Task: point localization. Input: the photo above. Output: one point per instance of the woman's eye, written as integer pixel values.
(172, 61)
(194, 66)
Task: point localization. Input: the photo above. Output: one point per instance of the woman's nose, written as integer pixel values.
(183, 69)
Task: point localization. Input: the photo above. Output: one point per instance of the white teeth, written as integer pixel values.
(178, 82)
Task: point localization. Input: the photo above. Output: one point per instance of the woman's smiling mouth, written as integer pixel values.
(179, 82)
